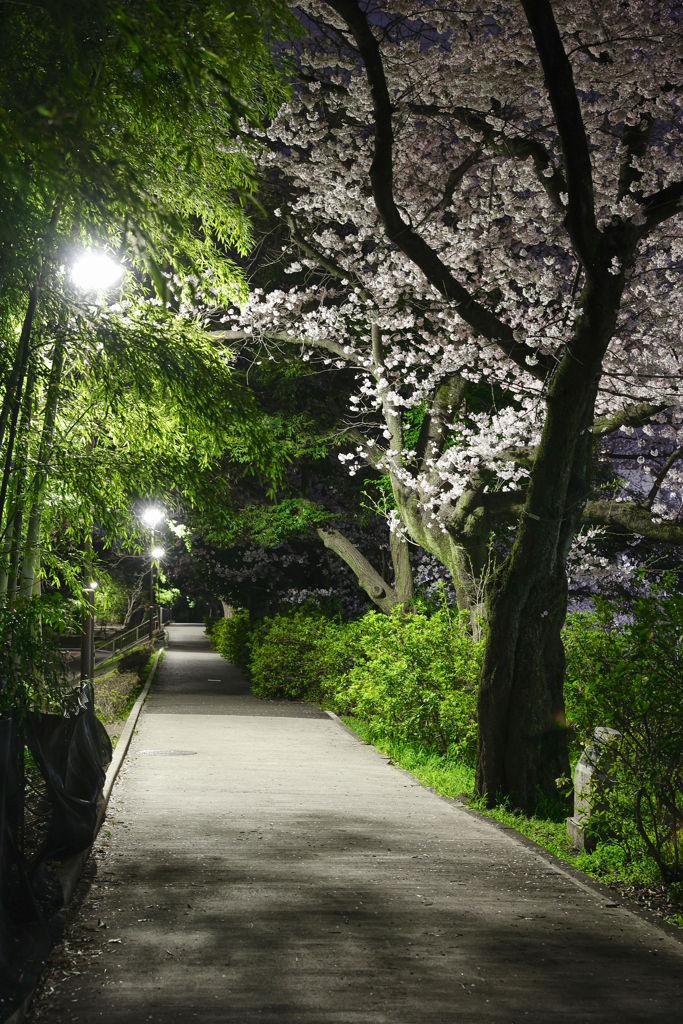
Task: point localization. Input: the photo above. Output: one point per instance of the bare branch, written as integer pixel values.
(661, 476)
(377, 589)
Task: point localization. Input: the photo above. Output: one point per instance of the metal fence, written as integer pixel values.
(131, 637)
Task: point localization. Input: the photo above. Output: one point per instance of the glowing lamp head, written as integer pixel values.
(96, 272)
(153, 516)
(157, 552)
(92, 585)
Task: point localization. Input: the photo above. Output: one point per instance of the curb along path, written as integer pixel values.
(266, 865)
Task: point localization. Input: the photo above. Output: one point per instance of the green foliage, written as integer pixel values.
(232, 639)
(120, 132)
(415, 678)
(32, 671)
(266, 525)
(127, 115)
(294, 655)
(625, 671)
(447, 775)
(410, 677)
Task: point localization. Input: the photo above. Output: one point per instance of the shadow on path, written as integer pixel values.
(282, 871)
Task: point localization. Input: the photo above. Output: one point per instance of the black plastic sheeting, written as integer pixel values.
(72, 751)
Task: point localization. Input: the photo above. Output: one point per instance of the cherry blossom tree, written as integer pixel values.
(486, 210)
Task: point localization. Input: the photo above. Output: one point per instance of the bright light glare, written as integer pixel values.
(92, 585)
(152, 516)
(157, 552)
(95, 272)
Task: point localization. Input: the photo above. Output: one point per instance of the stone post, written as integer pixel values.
(591, 775)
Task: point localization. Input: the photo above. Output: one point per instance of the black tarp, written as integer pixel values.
(72, 751)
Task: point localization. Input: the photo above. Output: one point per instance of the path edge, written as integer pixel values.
(70, 871)
(576, 875)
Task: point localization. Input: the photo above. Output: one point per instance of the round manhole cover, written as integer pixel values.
(166, 753)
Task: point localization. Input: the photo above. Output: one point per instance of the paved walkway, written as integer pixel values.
(265, 865)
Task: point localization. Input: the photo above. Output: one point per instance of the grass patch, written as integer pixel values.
(145, 667)
(636, 878)
(445, 775)
(117, 691)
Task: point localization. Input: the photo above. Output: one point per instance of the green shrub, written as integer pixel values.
(232, 639)
(137, 659)
(292, 655)
(210, 621)
(627, 673)
(414, 678)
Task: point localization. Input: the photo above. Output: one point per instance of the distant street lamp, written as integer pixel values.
(151, 517)
(88, 634)
(93, 271)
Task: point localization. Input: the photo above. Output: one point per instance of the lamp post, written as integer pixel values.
(92, 271)
(152, 517)
(157, 553)
(88, 633)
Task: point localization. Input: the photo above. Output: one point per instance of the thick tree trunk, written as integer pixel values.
(522, 741)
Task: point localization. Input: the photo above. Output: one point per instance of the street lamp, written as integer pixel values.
(151, 517)
(96, 272)
(88, 634)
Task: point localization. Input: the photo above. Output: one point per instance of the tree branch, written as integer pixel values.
(661, 476)
(559, 81)
(457, 174)
(433, 432)
(661, 205)
(633, 519)
(324, 261)
(392, 418)
(631, 416)
(401, 234)
(373, 454)
(520, 149)
(636, 140)
(330, 346)
(377, 589)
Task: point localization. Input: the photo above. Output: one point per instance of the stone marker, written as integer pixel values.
(596, 760)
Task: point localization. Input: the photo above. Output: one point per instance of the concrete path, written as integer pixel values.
(265, 865)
